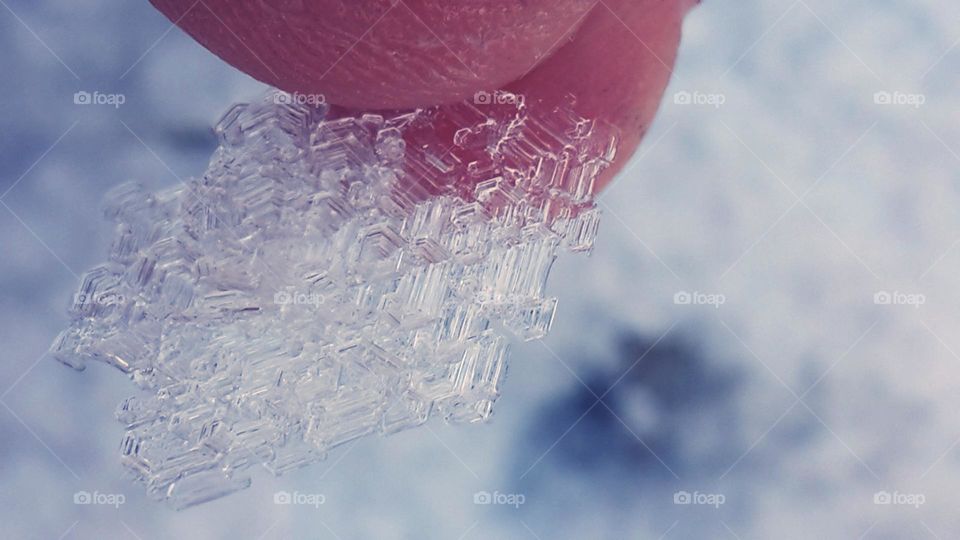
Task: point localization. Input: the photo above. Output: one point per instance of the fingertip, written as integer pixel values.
(380, 54)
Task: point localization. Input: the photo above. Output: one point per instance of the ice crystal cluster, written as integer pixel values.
(330, 276)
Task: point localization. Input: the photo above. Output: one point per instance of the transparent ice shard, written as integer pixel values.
(330, 276)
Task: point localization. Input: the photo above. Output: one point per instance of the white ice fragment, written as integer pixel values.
(328, 278)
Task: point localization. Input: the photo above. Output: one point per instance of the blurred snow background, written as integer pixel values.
(800, 202)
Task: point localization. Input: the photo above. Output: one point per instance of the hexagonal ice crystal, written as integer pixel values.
(330, 276)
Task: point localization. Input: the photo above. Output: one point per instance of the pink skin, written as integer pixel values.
(616, 58)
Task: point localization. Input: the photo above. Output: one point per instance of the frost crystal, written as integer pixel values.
(330, 276)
